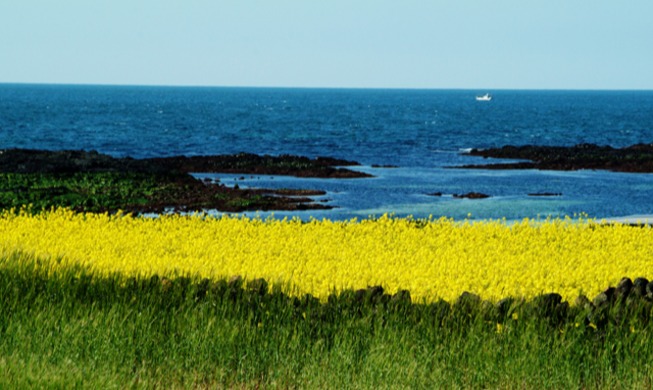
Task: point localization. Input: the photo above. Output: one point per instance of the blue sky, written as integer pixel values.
(572, 44)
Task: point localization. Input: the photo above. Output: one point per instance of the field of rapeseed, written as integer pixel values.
(432, 259)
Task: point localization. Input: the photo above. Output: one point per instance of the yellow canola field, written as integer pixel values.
(431, 258)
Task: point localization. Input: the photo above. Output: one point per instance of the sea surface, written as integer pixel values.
(424, 133)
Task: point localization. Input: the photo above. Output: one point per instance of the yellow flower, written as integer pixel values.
(433, 258)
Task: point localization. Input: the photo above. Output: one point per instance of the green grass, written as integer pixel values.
(82, 191)
(129, 192)
(73, 330)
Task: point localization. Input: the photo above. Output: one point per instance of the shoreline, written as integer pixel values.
(636, 158)
(635, 220)
(92, 181)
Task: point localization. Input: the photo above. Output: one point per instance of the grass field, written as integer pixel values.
(70, 329)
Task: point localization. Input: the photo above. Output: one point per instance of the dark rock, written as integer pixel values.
(202, 288)
(560, 311)
(546, 306)
(635, 158)
(375, 295)
(330, 161)
(401, 297)
(183, 283)
(503, 306)
(623, 288)
(604, 298)
(218, 287)
(235, 282)
(154, 281)
(488, 309)
(466, 296)
(374, 291)
(435, 194)
(166, 285)
(258, 286)
(438, 310)
(639, 287)
(308, 300)
(599, 317)
(583, 302)
(253, 164)
(234, 288)
(471, 195)
(649, 289)
(359, 295)
(546, 303)
(467, 303)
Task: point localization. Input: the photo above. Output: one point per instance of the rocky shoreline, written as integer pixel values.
(55, 175)
(42, 161)
(635, 158)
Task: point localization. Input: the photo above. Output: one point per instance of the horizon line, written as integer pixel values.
(81, 84)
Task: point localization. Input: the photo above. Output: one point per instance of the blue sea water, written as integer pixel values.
(423, 132)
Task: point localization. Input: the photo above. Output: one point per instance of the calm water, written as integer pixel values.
(421, 131)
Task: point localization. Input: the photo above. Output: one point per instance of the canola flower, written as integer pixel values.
(433, 259)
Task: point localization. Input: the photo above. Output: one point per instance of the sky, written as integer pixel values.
(434, 44)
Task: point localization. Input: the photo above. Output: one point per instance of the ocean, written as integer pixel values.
(423, 133)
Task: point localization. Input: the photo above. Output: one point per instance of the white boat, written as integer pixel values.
(484, 98)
